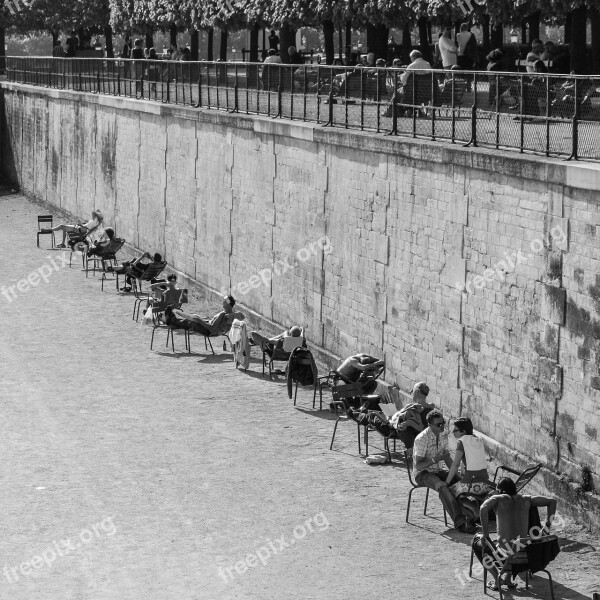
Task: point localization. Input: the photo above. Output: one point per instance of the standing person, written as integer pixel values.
(512, 524)
(137, 53)
(448, 50)
(58, 51)
(431, 448)
(536, 52)
(274, 41)
(126, 51)
(72, 45)
(295, 58)
(467, 48)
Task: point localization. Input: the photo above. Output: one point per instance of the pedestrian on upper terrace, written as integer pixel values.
(274, 41)
(72, 45)
(536, 52)
(430, 449)
(138, 52)
(448, 49)
(467, 48)
(295, 58)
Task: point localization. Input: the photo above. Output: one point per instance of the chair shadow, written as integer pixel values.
(539, 587)
(567, 545)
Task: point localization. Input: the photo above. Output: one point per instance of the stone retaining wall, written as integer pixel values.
(476, 271)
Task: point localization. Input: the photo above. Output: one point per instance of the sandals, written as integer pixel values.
(509, 584)
(491, 585)
(61, 246)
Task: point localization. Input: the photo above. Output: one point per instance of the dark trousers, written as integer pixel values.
(437, 482)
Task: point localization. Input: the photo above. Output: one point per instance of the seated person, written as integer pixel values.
(81, 228)
(410, 420)
(512, 523)
(136, 268)
(102, 242)
(268, 344)
(218, 325)
(166, 294)
(470, 452)
(360, 367)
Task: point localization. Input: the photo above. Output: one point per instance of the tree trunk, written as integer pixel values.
(424, 38)
(108, 36)
(328, 36)
(348, 41)
(568, 28)
(253, 57)
(2, 51)
(534, 26)
(578, 39)
(223, 44)
(173, 35)
(523, 32)
(340, 42)
(194, 44)
(287, 38)
(485, 26)
(377, 40)
(211, 39)
(595, 20)
(149, 39)
(429, 33)
(497, 37)
(55, 38)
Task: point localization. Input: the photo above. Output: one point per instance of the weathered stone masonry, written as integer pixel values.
(410, 224)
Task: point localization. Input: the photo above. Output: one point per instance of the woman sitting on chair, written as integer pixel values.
(81, 228)
(97, 247)
(268, 344)
(471, 452)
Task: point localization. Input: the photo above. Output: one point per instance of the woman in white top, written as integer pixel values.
(471, 453)
(89, 227)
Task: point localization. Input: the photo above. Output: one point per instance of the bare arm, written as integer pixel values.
(484, 515)
(454, 466)
(550, 503)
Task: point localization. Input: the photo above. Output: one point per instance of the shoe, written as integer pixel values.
(125, 289)
(61, 246)
(467, 528)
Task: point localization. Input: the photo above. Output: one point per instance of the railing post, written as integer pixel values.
(522, 104)
(433, 100)
(547, 115)
(473, 140)
(575, 139)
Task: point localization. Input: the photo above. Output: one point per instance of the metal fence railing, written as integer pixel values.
(552, 115)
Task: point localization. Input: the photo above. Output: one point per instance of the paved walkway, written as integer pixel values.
(131, 474)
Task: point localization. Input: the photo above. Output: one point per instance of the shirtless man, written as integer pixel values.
(354, 366)
(512, 521)
(218, 325)
(265, 342)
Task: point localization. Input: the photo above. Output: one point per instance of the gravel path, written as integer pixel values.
(154, 473)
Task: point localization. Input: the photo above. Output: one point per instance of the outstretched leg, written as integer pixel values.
(65, 229)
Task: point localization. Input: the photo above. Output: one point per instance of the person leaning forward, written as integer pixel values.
(431, 448)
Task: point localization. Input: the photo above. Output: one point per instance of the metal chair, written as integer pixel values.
(152, 271)
(408, 463)
(281, 352)
(42, 220)
(342, 393)
(517, 562)
(523, 477)
(104, 257)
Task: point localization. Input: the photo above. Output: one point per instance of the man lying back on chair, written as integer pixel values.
(355, 366)
(218, 325)
(260, 340)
